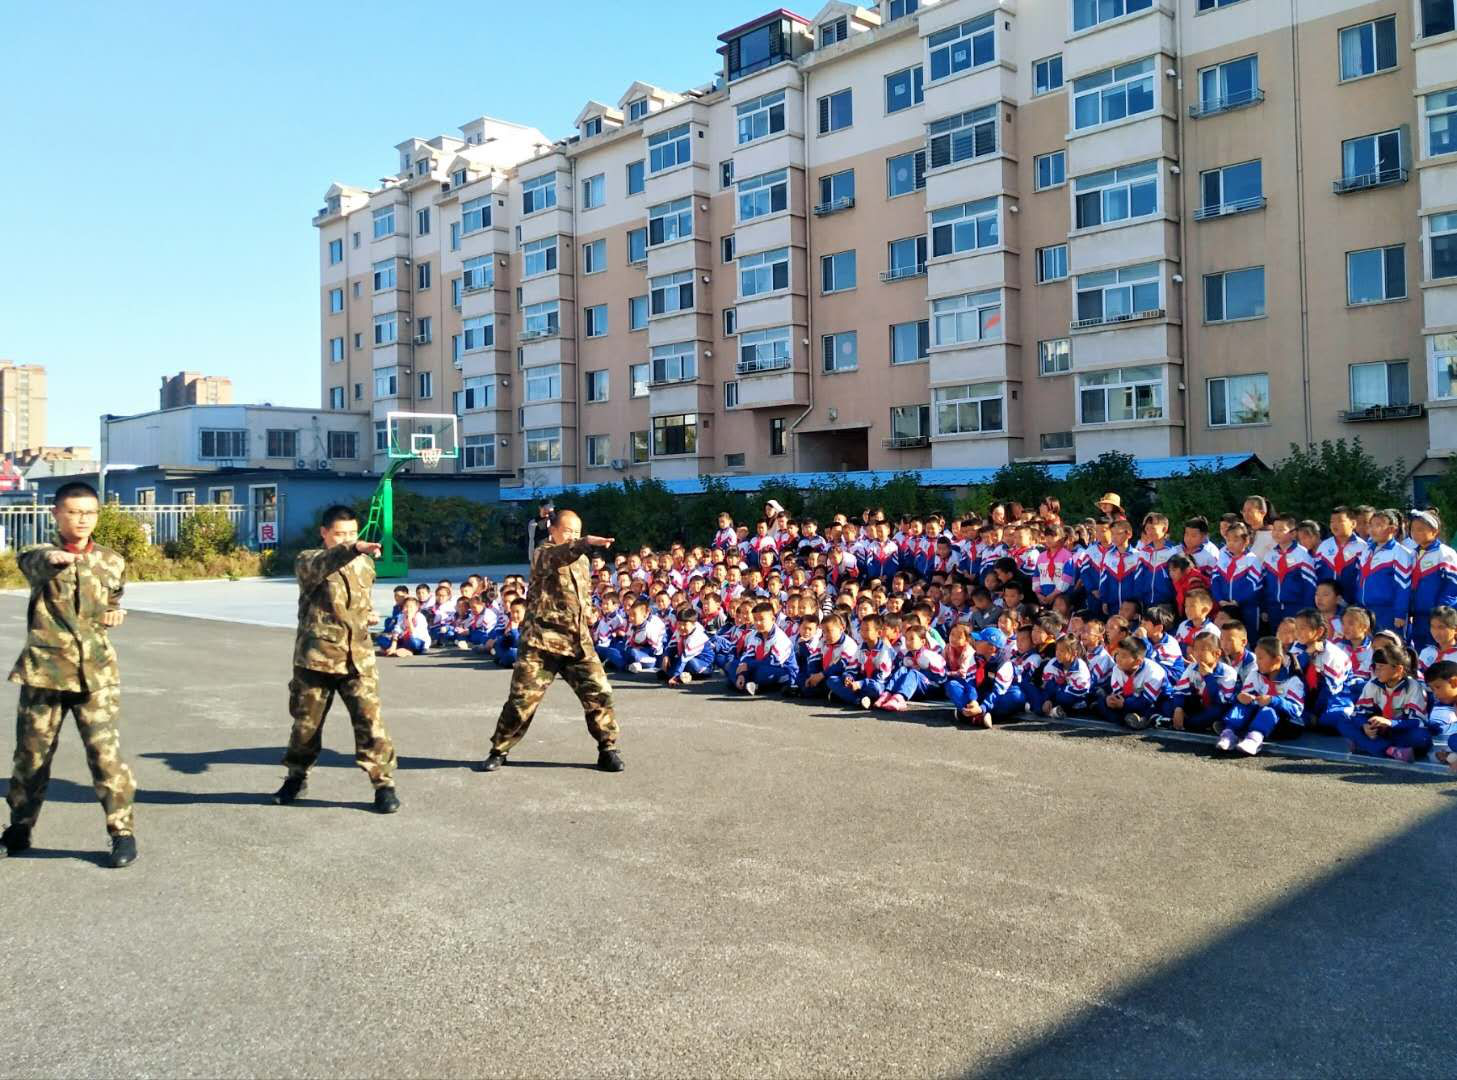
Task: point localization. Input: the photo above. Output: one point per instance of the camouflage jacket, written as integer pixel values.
(334, 611)
(558, 600)
(66, 647)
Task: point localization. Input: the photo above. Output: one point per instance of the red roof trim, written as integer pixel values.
(782, 13)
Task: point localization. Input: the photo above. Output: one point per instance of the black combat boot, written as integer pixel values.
(292, 789)
(610, 761)
(14, 840)
(493, 762)
(385, 800)
(123, 851)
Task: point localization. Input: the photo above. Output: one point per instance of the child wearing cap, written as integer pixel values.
(997, 695)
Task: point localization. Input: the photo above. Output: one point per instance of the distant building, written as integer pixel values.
(22, 406)
(190, 388)
(215, 437)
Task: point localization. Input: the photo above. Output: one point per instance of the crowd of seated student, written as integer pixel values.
(477, 616)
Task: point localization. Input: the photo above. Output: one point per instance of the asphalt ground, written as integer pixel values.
(772, 888)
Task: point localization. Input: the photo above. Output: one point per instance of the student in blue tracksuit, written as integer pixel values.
(689, 656)
(768, 659)
(1270, 703)
(1325, 668)
(1338, 558)
(1156, 550)
(1384, 586)
(838, 652)
(1290, 577)
(1239, 577)
(1123, 570)
(867, 675)
(1205, 689)
(1390, 718)
(1433, 575)
(1442, 714)
(1067, 684)
(1136, 687)
(998, 697)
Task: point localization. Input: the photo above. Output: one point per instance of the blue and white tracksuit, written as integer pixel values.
(1241, 581)
(768, 659)
(871, 669)
(1289, 583)
(922, 674)
(1329, 685)
(1205, 697)
(1283, 717)
(1433, 585)
(1404, 704)
(1142, 691)
(1070, 688)
(690, 654)
(1384, 587)
(1122, 578)
(1340, 563)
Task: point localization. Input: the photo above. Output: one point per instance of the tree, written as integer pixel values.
(1312, 479)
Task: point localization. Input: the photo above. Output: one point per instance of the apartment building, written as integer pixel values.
(923, 235)
(193, 388)
(22, 406)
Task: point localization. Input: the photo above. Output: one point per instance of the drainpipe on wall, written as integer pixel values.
(808, 276)
(579, 448)
(1300, 252)
(1184, 222)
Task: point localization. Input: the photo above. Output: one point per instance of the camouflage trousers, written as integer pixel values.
(38, 724)
(535, 671)
(310, 694)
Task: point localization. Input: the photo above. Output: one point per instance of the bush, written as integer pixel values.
(1314, 478)
(121, 532)
(204, 533)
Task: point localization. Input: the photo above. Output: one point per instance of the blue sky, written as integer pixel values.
(175, 154)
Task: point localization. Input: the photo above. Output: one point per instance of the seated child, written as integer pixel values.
(1136, 687)
(808, 643)
(646, 637)
(508, 640)
(1270, 702)
(1443, 628)
(1390, 717)
(410, 634)
(961, 664)
(688, 656)
(922, 672)
(482, 625)
(1356, 640)
(1197, 606)
(1204, 690)
(1066, 685)
(867, 676)
(1442, 720)
(1328, 603)
(1163, 646)
(996, 693)
(768, 659)
(1325, 668)
(838, 652)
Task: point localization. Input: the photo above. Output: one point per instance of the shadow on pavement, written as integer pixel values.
(514, 764)
(199, 762)
(68, 791)
(95, 858)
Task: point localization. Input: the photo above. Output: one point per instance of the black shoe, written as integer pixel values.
(123, 851)
(14, 840)
(293, 787)
(493, 762)
(385, 800)
(1138, 721)
(610, 761)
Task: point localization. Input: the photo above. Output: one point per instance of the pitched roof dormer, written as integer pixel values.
(595, 118)
(838, 20)
(642, 98)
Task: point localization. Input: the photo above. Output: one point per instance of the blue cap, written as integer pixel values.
(991, 636)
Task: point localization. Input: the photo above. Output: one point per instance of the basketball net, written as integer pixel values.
(430, 456)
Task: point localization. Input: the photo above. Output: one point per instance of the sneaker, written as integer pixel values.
(865, 702)
(1404, 754)
(610, 761)
(14, 840)
(1226, 741)
(686, 678)
(895, 703)
(123, 851)
(462, 644)
(493, 762)
(293, 788)
(1251, 743)
(385, 800)
(1058, 713)
(880, 701)
(635, 669)
(1137, 722)
(751, 688)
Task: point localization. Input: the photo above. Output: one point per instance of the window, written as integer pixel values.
(766, 272)
(480, 333)
(458, 178)
(967, 319)
(841, 352)
(764, 350)
(731, 395)
(837, 191)
(479, 452)
(637, 445)
(336, 349)
(637, 313)
(909, 424)
(637, 246)
(1228, 86)
(1234, 294)
(670, 221)
(1113, 295)
(905, 173)
(727, 248)
(675, 434)
(386, 382)
(1442, 245)
(1376, 274)
(899, 9)
(965, 137)
(761, 117)
(668, 149)
(1055, 440)
(336, 397)
(423, 328)
(1231, 190)
(544, 383)
(538, 193)
(836, 112)
(1442, 349)
(336, 252)
(1368, 48)
(422, 276)
(457, 287)
(637, 374)
(455, 236)
(1371, 160)
(599, 448)
(1047, 75)
(904, 89)
(1117, 194)
(835, 31)
(593, 126)
(479, 393)
(354, 240)
(423, 166)
(1113, 94)
(905, 258)
(776, 436)
(1118, 394)
(1054, 357)
(1050, 170)
(344, 445)
(539, 257)
(726, 173)
(671, 292)
(594, 191)
(476, 215)
(282, 443)
(543, 445)
(1239, 399)
(837, 271)
(384, 275)
(384, 222)
(730, 321)
(385, 329)
(674, 363)
(1051, 263)
(910, 341)
(965, 227)
(1441, 112)
(1438, 17)
(762, 195)
(963, 47)
(358, 341)
(1381, 384)
(596, 386)
(457, 348)
(222, 443)
(426, 383)
(541, 320)
(968, 409)
(594, 256)
(1088, 13)
(422, 222)
(336, 301)
(594, 321)
(480, 272)
(637, 108)
(635, 181)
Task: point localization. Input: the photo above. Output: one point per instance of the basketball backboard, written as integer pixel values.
(416, 434)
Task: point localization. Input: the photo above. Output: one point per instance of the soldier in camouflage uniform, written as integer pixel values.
(334, 654)
(557, 640)
(69, 666)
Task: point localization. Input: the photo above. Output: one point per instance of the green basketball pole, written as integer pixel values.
(393, 562)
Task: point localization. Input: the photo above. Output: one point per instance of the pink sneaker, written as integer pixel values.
(1404, 754)
(894, 702)
(1251, 743)
(1226, 741)
(880, 701)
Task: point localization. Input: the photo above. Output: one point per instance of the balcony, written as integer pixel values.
(906, 442)
(1240, 100)
(1239, 206)
(1365, 181)
(758, 366)
(903, 273)
(540, 334)
(844, 202)
(474, 285)
(1384, 412)
(1111, 320)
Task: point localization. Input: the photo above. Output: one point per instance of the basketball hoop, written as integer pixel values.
(430, 456)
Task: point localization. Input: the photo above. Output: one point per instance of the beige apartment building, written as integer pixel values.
(193, 388)
(933, 235)
(22, 406)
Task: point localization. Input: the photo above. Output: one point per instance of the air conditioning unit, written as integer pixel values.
(323, 464)
(422, 339)
(301, 463)
(619, 463)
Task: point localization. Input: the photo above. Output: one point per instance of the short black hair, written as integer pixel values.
(76, 489)
(336, 513)
(1445, 670)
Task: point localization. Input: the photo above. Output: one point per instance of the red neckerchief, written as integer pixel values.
(76, 550)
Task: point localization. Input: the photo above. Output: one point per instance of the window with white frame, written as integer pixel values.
(1119, 394)
(1229, 85)
(899, 9)
(384, 222)
(637, 245)
(1381, 384)
(909, 423)
(386, 382)
(1234, 294)
(1054, 356)
(336, 252)
(1051, 263)
(727, 248)
(637, 375)
(336, 349)
(840, 352)
(674, 363)
(761, 117)
(594, 191)
(1371, 160)
(836, 112)
(963, 137)
(964, 46)
(669, 149)
(1441, 114)
(539, 257)
(1239, 400)
(636, 182)
(225, 442)
(726, 173)
(336, 397)
(765, 272)
(763, 195)
(965, 227)
(425, 384)
(837, 190)
(1376, 274)
(594, 321)
(968, 408)
(343, 445)
(478, 393)
(542, 319)
(671, 292)
(596, 386)
(457, 287)
(905, 258)
(637, 446)
(1049, 170)
(384, 275)
(479, 452)
(1442, 356)
(1117, 194)
(834, 31)
(1442, 245)
(676, 434)
(1113, 94)
(731, 394)
(905, 88)
(422, 276)
(355, 287)
(967, 319)
(381, 436)
(543, 445)
(480, 333)
(475, 215)
(283, 442)
(458, 178)
(1210, 5)
(1051, 441)
(480, 273)
(538, 193)
(730, 321)
(905, 173)
(1047, 75)
(910, 342)
(336, 301)
(637, 108)
(455, 236)
(837, 271)
(1113, 295)
(1438, 17)
(358, 341)
(637, 313)
(764, 350)
(424, 330)
(1087, 13)
(594, 256)
(1368, 48)
(670, 221)
(599, 450)
(386, 329)
(1231, 189)
(544, 383)
(457, 347)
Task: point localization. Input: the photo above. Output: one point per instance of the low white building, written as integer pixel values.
(241, 437)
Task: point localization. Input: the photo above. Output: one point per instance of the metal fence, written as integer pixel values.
(22, 525)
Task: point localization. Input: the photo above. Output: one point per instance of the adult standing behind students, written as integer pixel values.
(557, 640)
(1257, 512)
(537, 527)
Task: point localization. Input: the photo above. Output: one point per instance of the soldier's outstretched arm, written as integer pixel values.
(312, 567)
(35, 563)
(555, 556)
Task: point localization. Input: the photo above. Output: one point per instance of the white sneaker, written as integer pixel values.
(1059, 713)
(1226, 741)
(635, 669)
(686, 678)
(462, 644)
(751, 688)
(1251, 743)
